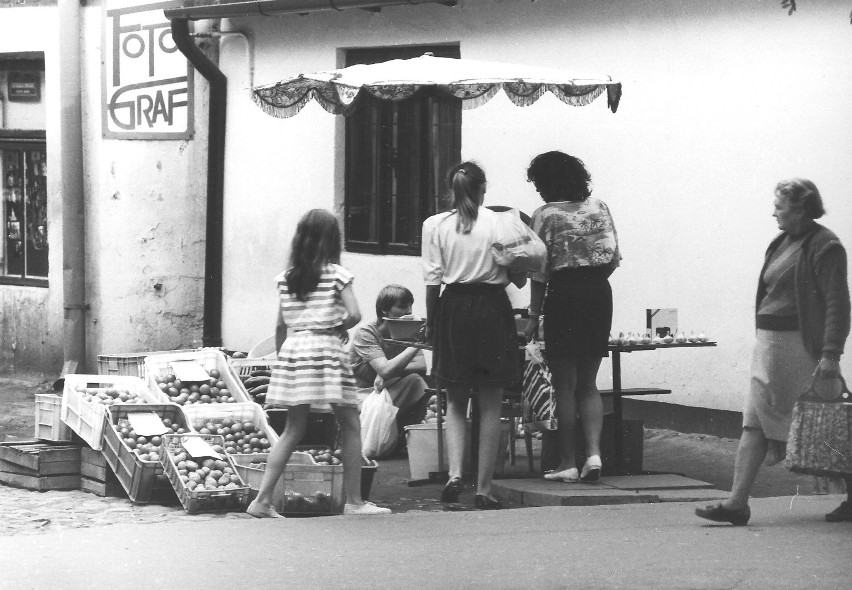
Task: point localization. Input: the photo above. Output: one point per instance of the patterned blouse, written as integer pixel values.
(323, 309)
(576, 234)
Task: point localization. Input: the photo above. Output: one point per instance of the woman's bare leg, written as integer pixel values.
(750, 455)
(564, 374)
(589, 404)
(457, 400)
(350, 444)
(490, 401)
(294, 431)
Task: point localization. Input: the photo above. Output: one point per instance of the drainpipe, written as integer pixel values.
(71, 188)
(212, 330)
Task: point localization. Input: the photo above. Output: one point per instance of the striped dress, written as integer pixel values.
(312, 366)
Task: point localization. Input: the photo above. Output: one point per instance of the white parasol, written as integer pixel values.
(473, 82)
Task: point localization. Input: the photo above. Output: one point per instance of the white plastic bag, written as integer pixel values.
(378, 424)
(516, 246)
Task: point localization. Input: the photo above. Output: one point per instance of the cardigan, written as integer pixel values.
(822, 291)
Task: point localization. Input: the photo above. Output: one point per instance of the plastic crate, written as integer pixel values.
(129, 364)
(198, 414)
(321, 429)
(243, 368)
(143, 481)
(195, 501)
(306, 489)
(160, 366)
(86, 418)
(48, 418)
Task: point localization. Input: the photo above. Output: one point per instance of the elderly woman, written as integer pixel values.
(802, 324)
(582, 252)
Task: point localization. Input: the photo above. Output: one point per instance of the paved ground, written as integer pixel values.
(789, 545)
(67, 540)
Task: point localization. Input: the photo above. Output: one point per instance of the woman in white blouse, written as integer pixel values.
(582, 248)
(470, 324)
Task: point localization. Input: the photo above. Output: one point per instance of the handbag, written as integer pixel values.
(538, 399)
(516, 246)
(820, 439)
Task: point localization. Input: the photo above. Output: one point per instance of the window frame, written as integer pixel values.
(22, 141)
(420, 116)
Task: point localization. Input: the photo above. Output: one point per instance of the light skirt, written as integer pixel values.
(312, 368)
(781, 371)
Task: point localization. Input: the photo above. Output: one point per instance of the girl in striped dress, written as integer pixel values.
(312, 373)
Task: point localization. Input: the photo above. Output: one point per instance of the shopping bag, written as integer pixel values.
(820, 439)
(516, 246)
(378, 424)
(538, 399)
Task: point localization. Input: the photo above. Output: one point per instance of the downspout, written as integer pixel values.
(212, 330)
(71, 188)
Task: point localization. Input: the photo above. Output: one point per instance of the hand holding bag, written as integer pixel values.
(820, 439)
(517, 247)
(378, 424)
(538, 397)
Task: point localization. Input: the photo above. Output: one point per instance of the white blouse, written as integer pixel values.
(453, 257)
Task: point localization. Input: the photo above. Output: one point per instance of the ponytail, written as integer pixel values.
(466, 181)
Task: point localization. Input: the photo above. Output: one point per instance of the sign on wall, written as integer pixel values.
(147, 81)
(23, 86)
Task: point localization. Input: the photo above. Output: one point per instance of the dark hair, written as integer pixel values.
(802, 194)
(465, 181)
(391, 295)
(315, 244)
(559, 177)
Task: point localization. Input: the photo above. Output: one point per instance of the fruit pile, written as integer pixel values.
(206, 475)
(146, 448)
(240, 437)
(325, 456)
(256, 384)
(214, 391)
(109, 395)
(432, 411)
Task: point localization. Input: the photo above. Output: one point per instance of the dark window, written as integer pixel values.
(23, 169)
(397, 154)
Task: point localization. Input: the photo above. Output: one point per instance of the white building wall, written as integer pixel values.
(721, 101)
(31, 317)
(145, 226)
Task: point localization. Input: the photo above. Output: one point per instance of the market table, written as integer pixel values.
(617, 392)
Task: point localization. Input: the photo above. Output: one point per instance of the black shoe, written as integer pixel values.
(718, 513)
(452, 490)
(485, 503)
(842, 513)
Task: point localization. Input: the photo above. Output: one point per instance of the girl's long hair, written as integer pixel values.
(466, 181)
(315, 244)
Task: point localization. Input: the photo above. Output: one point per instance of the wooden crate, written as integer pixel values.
(40, 465)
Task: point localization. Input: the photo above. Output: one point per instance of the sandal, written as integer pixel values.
(718, 513)
(452, 490)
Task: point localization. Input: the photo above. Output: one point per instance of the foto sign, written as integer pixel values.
(147, 81)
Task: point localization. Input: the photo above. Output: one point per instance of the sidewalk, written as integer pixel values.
(639, 546)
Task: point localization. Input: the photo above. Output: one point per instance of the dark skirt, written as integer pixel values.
(475, 342)
(578, 313)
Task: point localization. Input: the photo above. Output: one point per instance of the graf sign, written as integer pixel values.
(147, 81)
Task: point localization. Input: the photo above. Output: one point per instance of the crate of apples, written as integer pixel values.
(203, 484)
(135, 458)
(214, 391)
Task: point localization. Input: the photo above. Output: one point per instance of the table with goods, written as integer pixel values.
(184, 426)
(410, 332)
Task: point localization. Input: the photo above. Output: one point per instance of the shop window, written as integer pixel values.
(23, 169)
(397, 154)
